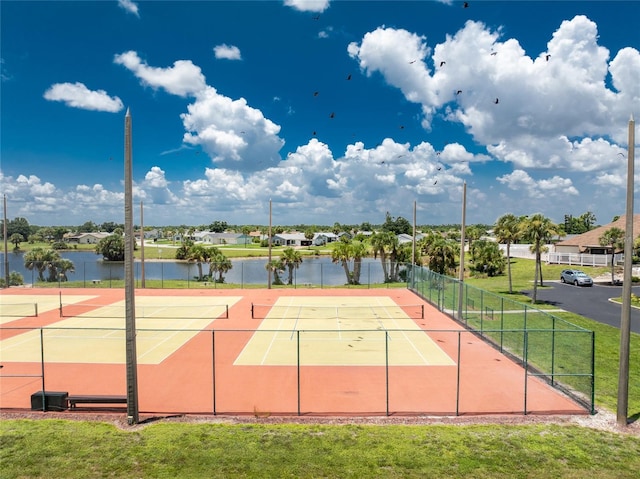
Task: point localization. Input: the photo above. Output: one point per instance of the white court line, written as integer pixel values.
(404, 333)
(273, 339)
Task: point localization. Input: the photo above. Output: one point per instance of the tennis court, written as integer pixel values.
(341, 331)
(278, 351)
(94, 333)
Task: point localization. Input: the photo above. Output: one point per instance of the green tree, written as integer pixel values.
(487, 258)
(539, 230)
(309, 233)
(43, 260)
(65, 266)
(359, 250)
(397, 225)
(218, 263)
(87, 227)
(507, 231)
(16, 239)
(36, 259)
(218, 226)
(385, 244)
(198, 254)
(440, 251)
(473, 233)
(342, 253)
(111, 248)
(613, 239)
(18, 225)
(291, 259)
(277, 268)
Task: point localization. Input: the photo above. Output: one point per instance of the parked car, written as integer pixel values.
(577, 277)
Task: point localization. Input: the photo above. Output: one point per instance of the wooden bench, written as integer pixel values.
(96, 281)
(95, 399)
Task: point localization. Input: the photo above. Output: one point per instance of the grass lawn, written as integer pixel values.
(75, 449)
(607, 337)
(78, 449)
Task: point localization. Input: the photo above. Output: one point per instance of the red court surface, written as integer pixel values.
(200, 376)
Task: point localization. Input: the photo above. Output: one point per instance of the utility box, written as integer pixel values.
(53, 401)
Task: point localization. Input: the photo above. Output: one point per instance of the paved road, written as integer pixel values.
(589, 302)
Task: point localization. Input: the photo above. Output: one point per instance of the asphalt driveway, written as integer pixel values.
(590, 302)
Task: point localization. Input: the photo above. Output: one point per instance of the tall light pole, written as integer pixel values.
(6, 248)
(625, 320)
(462, 233)
(269, 264)
(142, 282)
(413, 247)
(129, 285)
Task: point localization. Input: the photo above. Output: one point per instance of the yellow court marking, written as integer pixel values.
(16, 307)
(349, 331)
(96, 338)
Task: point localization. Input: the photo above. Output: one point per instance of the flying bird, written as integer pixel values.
(332, 115)
(465, 5)
(412, 62)
(314, 133)
(493, 54)
(316, 93)
(402, 127)
(317, 17)
(496, 101)
(439, 168)
(458, 92)
(435, 182)
(443, 63)
(349, 76)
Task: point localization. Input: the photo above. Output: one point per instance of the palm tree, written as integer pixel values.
(612, 238)
(198, 254)
(65, 266)
(342, 254)
(473, 233)
(440, 251)
(291, 259)
(358, 251)
(221, 264)
(35, 259)
(276, 267)
(539, 230)
(507, 231)
(385, 244)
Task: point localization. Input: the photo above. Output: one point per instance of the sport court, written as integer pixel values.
(340, 331)
(263, 352)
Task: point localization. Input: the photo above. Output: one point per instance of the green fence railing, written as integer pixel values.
(546, 345)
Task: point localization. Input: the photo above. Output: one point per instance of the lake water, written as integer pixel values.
(90, 266)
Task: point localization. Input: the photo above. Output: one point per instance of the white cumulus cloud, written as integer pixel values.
(227, 52)
(77, 95)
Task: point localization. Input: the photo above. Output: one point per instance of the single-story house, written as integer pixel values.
(405, 238)
(589, 242)
(323, 238)
(84, 238)
(290, 239)
(209, 237)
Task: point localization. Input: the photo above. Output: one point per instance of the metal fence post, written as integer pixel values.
(386, 363)
(526, 368)
(213, 369)
(42, 368)
(458, 376)
(553, 349)
(298, 366)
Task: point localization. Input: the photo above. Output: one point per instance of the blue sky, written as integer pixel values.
(337, 111)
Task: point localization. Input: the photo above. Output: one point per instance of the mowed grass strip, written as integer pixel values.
(78, 449)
